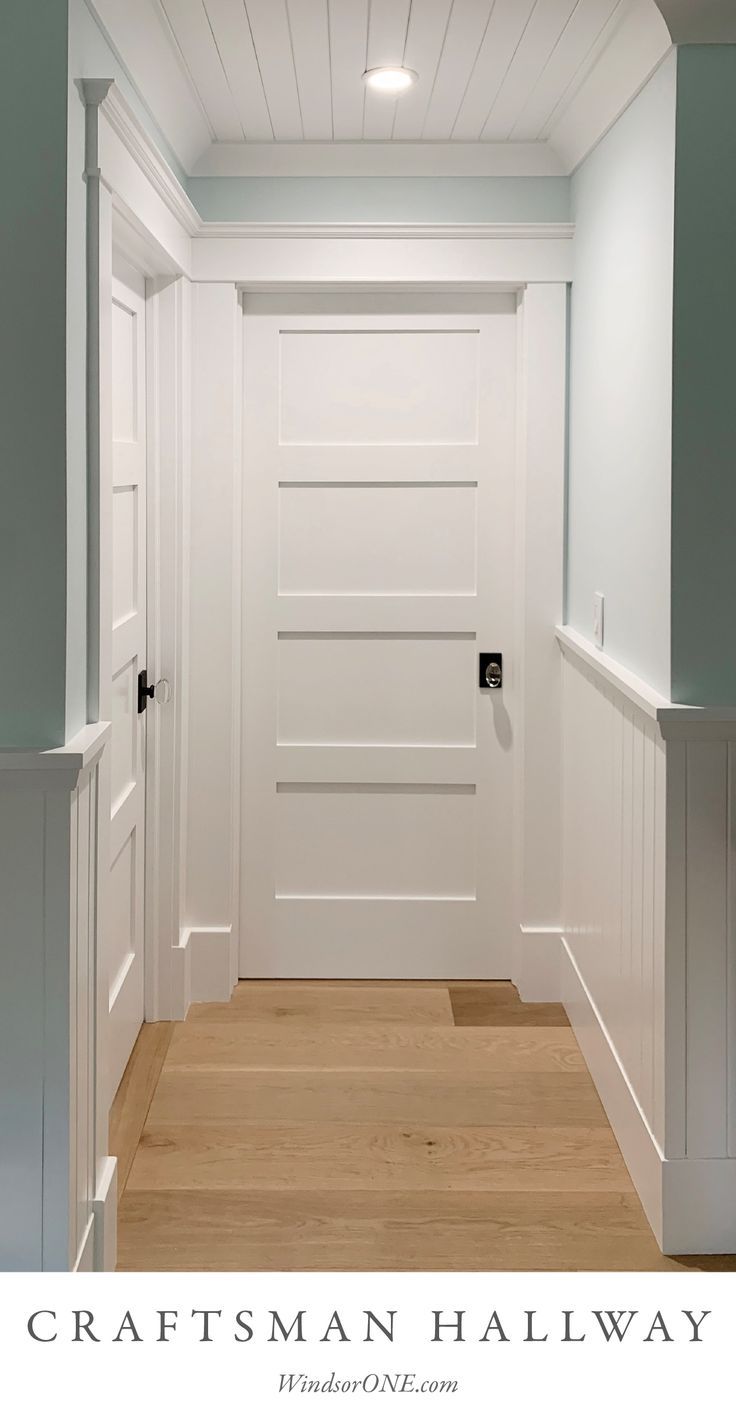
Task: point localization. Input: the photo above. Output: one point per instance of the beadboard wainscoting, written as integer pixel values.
(58, 1184)
(648, 948)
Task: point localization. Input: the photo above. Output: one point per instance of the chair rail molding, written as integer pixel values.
(58, 1191)
(648, 946)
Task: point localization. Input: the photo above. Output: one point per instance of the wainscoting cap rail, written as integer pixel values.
(75, 756)
(675, 720)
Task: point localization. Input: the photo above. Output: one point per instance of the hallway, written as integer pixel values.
(374, 1126)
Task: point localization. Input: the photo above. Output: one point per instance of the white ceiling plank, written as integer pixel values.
(464, 36)
(570, 54)
(387, 26)
(196, 42)
(234, 40)
(311, 45)
(348, 53)
(427, 25)
(638, 42)
(501, 38)
(140, 33)
(546, 25)
(270, 29)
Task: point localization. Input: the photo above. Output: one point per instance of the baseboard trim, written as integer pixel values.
(204, 968)
(640, 1150)
(699, 1206)
(537, 963)
(105, 1218)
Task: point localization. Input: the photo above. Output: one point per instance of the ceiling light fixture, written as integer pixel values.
(389, 79)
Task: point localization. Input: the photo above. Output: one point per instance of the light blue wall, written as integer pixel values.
(33, 108)
(621, 383)
(704, 420)
(431, 199)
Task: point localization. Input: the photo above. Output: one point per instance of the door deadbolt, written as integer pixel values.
(490, 672)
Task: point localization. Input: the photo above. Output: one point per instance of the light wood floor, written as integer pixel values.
(371, 1126)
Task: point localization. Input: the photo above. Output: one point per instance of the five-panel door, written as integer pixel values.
(378, 563)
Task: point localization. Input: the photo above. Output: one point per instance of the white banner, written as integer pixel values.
(266, 1342)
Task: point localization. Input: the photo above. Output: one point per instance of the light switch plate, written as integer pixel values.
(598, 620)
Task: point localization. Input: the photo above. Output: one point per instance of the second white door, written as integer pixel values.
(378, 563)
(124, 955)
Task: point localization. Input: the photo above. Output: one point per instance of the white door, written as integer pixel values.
(125, 916)
(378, 560)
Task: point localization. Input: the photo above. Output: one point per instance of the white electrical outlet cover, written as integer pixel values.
(598, 620)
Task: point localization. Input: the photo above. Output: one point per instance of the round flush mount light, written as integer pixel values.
(389, 80)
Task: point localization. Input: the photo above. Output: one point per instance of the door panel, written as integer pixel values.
(378, 560)
(124, 945)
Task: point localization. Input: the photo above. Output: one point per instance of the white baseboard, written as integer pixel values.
(204, 968)
(86, 1255)
(105, 1218)
(640, 1150)
(690, 1203)
(537, 962)
(699, 1203)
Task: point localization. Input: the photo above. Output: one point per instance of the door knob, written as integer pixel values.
(490, 672)
(159, 691)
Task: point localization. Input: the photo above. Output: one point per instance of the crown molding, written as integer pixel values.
(379, 159)
(386, 230)
(634, 44)
(142, 149)
(139, 144)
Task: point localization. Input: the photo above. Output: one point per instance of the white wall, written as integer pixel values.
(621, 383)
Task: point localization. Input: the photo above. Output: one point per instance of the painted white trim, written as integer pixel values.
(675, 721)
(76, 756)
(379, 159)
(168, 405)
(690, 1203)
(649, 823)
(538, 603)
(147, 157)
(537, 964)
(387, 230)
(631, 48)
(319, 261)
(204, 968)
(639, 1148)
(105, 1214)
(85, 1259)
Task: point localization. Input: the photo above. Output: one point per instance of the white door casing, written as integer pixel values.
(378, 563)
(123, 952)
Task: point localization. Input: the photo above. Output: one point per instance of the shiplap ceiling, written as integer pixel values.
(511, 87)
(291, 70)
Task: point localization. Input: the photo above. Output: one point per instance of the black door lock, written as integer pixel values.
(490, 670)
(144, 690)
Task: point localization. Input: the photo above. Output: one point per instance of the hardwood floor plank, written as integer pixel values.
(261, 1045)
(366, 1126)
(223, 1097)
(282, 1002)
(499, 1004)
(339, 1157)
(135, 1092)
(404, 1231)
